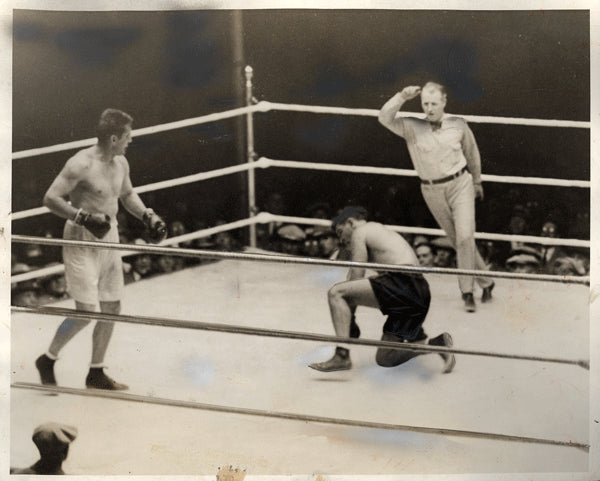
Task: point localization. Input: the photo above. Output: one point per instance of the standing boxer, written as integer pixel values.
(86, 193)
(445, 155)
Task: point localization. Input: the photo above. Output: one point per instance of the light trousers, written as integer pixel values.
(452, 204)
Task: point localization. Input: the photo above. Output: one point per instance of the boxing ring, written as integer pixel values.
(223, 356)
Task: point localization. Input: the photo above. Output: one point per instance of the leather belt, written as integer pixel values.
(445, 179)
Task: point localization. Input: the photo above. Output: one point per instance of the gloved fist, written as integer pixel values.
(157, 229)
(97, 224)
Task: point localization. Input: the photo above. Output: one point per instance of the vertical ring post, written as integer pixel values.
(248, 71)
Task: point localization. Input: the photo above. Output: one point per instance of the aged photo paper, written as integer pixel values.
(215, 348)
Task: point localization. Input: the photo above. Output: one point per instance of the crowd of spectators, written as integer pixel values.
(313, 241)
(52, 287)
(514, 256)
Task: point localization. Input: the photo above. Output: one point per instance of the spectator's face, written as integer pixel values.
(166, 264)
(276, 204)
(223, 241)
(523, 268)
(582, 260)
(26, 299)
(311, 247)
(517, 224)
(327, 245)
(320, 213)
(142, 264)
(177, 228)
(290, 247)
(549, 229)
(443, 258)
(433, 103)
(564, 270)
(33, 254)
(425, 256)
(57, 286)
(490, 246)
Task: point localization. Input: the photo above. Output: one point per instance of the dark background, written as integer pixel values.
(167, 66)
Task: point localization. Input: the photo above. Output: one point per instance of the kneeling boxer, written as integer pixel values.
(404, 298)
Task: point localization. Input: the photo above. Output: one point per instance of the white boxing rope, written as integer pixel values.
(267, 217)
(60, 268)
(23, 214)
(234, 169)
(123, 396)
(156, 186)
(38, 273)
(363, 169)
(266, 106)
(358, 169)
(265, 162)
(77, 144)
(287, 259)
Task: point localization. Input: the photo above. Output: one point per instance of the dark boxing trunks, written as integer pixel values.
(405, 299)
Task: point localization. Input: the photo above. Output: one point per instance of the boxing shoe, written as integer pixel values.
(97, 379)
(444, 340)
(339, 362)
(486, 295)
(45, 367)
(469, 302)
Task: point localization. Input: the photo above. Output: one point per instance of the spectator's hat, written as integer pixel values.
(442, 243)
(321, 231)
(528, 250)
(569, 266)
(291, 232)
(19, 268)
(33, 251)
(26, 285)
(22, 286)
(523, 259)
(419, 240)
(52, 437)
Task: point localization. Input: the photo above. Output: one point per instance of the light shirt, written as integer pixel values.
(437, 153)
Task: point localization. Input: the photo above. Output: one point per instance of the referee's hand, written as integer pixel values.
(478, 191)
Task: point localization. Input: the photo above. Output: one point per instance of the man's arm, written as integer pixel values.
(387, 114)
(471, 151)
(56, 200)
(129, 198)
(359, 253)
(134, 205)
(56, 196)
